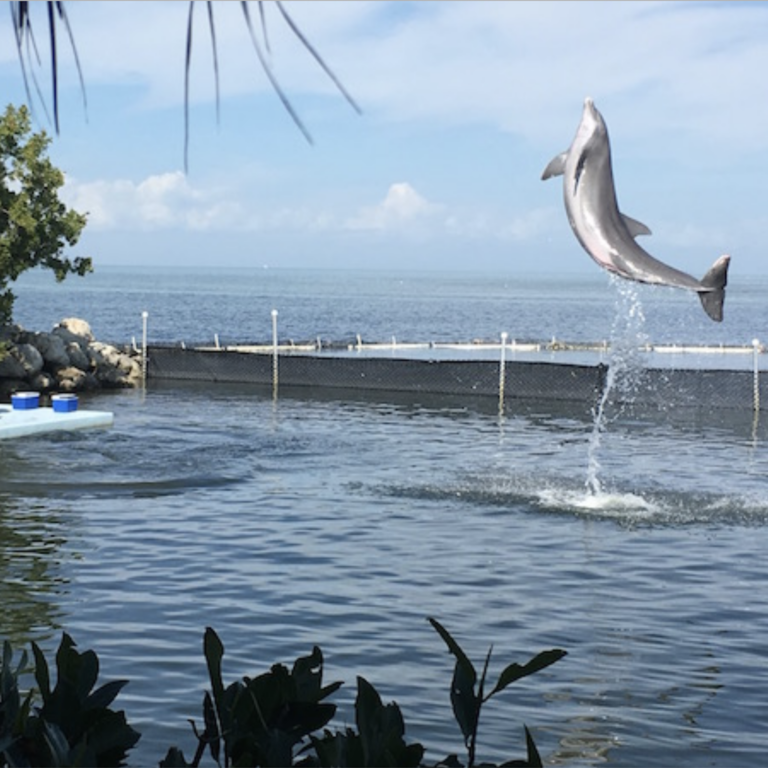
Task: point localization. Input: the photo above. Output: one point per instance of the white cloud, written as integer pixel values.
(170, 202)
(527, 66)
(402, 208)
(162, 201)
(522, 66)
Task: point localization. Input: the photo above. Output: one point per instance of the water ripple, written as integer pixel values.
(347, 524)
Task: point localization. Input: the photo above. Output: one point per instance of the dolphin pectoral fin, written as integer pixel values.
(634, 226)
(713, 284)
(556, 167)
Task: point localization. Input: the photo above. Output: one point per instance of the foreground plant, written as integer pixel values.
(279, 718)
(467, 702)
(271, 720)
(74, 726)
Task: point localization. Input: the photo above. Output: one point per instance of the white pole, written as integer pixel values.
(502, 370)
(144, 316)
(756, 371)
(274, 353)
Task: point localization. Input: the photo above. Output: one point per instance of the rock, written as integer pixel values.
(30, 358)
(9, 332)
(53, 350)
(11, 366)
(77, 327)
(42, 382)
(77, 356)
(70, 338)
(113, 367)
(67, 359)
(70, 379)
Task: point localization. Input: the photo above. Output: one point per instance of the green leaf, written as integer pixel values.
(42, 675)
(211, 733)
(214, 652)
(57, 743)
(455, 649)
(174, 758)
(7, 655)
(515, 671)
(466, 706)
(109, 738)
(105, 695)
(534, 759)
(338, 749)
(21, 667)
(380, 726)
(307, 674)
(87, 666)
(66, 659)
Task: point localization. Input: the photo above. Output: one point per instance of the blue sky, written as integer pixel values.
(463, 105)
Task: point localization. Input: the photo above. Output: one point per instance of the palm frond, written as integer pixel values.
(296, 31)
(29, 55)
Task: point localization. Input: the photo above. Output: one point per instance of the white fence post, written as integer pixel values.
(502, 370)
(144, 316)
(756, 373)
(274, 353)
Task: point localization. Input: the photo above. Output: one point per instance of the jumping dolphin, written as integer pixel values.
(607, 235)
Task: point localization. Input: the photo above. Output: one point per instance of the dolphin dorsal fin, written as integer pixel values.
(634, 226)
(556, 167)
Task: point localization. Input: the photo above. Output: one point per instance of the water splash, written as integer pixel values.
(624, 369)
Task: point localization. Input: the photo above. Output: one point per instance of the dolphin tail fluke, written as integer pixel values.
(713, 284)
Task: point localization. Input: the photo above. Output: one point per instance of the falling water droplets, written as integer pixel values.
(624, 370)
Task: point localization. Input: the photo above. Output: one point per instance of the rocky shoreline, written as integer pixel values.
(66, 359)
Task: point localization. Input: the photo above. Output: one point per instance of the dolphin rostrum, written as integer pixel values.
(607, 235)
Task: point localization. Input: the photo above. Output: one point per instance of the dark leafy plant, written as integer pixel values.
(14, 712)
(379, 741)
(272, 719)
(74, 726)
(279, 718)
(468, 701)
(259, 721)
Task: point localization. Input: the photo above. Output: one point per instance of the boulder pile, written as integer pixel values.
(68, 359)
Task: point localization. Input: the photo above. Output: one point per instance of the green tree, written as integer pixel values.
(35, 226)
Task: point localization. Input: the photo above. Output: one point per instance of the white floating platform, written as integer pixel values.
(33, 421)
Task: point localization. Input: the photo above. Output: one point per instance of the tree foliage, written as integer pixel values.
(35, 226)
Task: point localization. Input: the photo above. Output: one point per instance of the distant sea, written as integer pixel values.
(346, 519)
(194, 304)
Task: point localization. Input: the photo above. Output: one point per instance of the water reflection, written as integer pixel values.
(31, 583)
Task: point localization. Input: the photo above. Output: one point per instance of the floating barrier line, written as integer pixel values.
(557, 346)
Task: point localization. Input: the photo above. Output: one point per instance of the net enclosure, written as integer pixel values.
(500, 378)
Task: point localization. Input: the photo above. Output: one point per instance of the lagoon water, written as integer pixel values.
(346, 519)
